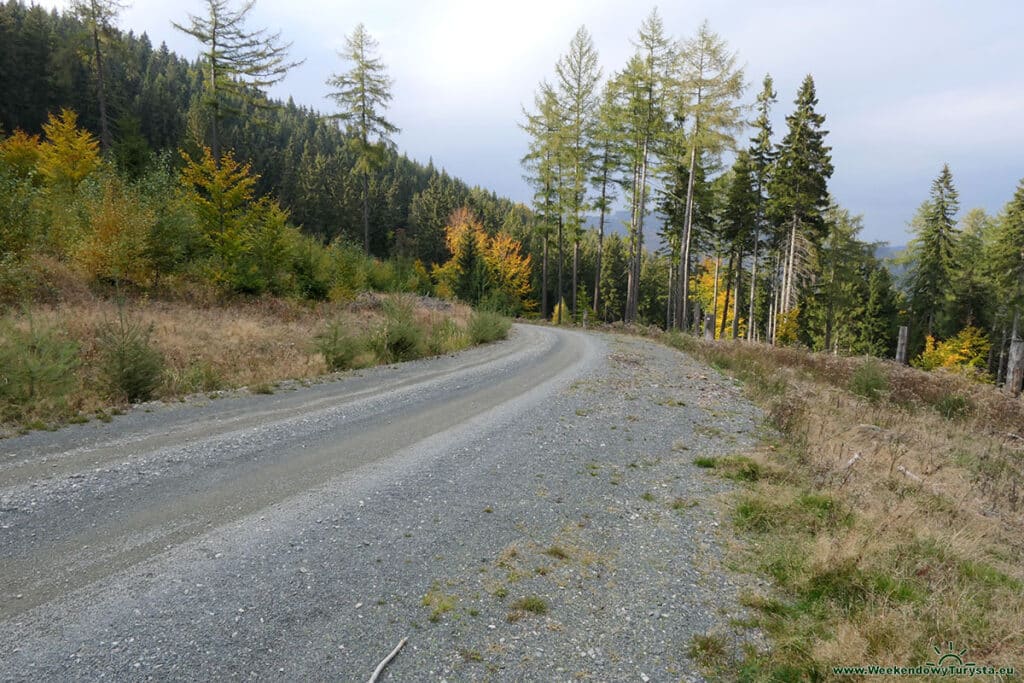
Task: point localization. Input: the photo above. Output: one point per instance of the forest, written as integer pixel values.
(142, 169)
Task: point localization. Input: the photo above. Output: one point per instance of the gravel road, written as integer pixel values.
(527, 510)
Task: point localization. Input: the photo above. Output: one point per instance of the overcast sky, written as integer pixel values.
(906, 85)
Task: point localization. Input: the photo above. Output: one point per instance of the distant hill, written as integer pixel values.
(888, 254)
(618, 222)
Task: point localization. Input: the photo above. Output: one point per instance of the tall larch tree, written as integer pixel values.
(608, 160)
(99, 17)
(799, 189)
(542, 163)
(238, 64)
(578, 76)
(931, 254)
(708, 91)
(362, 94)
(644, 85)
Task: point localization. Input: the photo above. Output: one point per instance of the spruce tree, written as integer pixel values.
(799, 187)
(362, 93)
(931, 254)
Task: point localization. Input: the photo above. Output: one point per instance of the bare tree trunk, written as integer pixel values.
(600, 239)
(105, 139)
(575, 271)
(366, 213)
(736, 298)
(714, 296)
(753, 288)
(561, 265)
(544, 280)
(669, 299)
(682, 306)
(1015, 362)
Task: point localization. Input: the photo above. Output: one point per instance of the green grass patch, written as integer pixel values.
(534, 604)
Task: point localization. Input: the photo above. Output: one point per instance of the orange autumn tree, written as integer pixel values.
(483, 269)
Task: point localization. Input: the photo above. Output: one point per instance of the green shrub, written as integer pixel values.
(132, 368)
(400, 338)
(485, 327)
(446, 337)
(36, 371)
(954, 406)
(339, 347)
(869, 380)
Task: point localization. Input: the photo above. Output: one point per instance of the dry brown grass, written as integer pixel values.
(887, 526)
(211, 346)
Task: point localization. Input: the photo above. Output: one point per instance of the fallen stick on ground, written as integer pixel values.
(384, 662)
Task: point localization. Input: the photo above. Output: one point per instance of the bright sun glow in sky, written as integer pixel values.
(906, 85)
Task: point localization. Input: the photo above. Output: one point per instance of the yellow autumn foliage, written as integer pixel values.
(967, 350)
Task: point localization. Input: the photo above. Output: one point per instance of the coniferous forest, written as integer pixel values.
(138, 167)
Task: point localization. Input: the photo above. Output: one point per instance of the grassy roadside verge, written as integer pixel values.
(886, 511)
(92, 358)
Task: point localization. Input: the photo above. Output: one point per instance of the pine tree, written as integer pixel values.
(931, 254)
(710, 85)
(239, 64)
(362, 93)
(799, 188)
(578, 75)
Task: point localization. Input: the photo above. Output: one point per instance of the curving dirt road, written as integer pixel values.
(302, 534)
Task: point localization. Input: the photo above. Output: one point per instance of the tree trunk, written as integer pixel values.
(683, 305)
(366, 213)
(561, 266)
(714, 296)
(105, 139)
(544, 310)
(575, 271)
(1015, 362)
(600, 239)
(668, 299)
(736, 298)
(753, 287)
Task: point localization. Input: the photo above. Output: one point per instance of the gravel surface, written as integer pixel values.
(524, 511)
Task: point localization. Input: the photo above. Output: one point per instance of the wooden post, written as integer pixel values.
(709, 328)
(901, 347)
(1015, 363)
